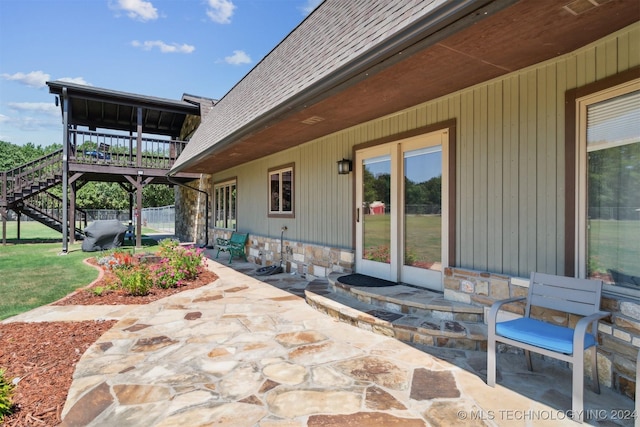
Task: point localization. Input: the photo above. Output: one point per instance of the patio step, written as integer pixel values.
(412, 315)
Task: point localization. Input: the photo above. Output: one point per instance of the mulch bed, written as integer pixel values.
(84, 296)
(43, 355)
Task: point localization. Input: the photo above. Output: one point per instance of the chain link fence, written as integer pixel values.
(161, 219)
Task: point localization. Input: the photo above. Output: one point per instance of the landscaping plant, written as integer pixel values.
(136, 280)
(6, 391)
(177, 264)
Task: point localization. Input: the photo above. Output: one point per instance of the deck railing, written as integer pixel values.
(32, 173)
(90, 147)
(51, 206)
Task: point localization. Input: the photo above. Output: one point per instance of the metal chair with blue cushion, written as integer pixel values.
(570, 295)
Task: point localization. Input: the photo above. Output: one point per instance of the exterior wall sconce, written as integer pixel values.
(344, 166)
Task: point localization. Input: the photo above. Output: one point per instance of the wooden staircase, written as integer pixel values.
(25, 190)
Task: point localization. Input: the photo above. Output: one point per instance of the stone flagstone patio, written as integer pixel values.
(243, 352)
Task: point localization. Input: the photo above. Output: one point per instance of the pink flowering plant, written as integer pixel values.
(177, 265)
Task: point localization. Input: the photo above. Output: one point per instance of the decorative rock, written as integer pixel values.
(286, 373)
(427, 385)
(322, 353)
(448, 414)
(89, 406)
(378, 399)
(294, 339)
(220, 415)
(137, 327)
(296, 403)
(208, 298)
(152, 344)
(363, 419)
(376, 370)
(241, 381)
(134, 394)
(219, 352)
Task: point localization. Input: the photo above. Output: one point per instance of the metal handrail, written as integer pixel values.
(51, 206)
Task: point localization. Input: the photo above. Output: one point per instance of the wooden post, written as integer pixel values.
(65, 170)
(72, 214)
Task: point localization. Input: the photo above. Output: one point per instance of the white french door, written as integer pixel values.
(401, 209)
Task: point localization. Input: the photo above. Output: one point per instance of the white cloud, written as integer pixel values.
(164, 47)
(35, 107)
(220, 11)
(25, 123)
(239, 57)
(136, 9)
(35, 79)
(310, 6)
(3, 119)
(76, 80)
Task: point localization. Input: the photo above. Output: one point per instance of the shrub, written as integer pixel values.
(379, 253)
(177, 265)
(6, 392)
(165, 277)
(116, 259)
(100, 290)
(136, 281)
(167, 246)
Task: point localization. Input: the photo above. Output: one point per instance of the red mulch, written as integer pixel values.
(86, 297)
(44, 355)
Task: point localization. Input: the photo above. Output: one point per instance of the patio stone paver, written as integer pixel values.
(257, 357)
(242, 352)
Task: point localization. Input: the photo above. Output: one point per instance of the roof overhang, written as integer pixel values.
(98, 108)
(487, 41)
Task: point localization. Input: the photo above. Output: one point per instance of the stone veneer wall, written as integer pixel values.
(618, 336)
(313, 261)
(190, 220)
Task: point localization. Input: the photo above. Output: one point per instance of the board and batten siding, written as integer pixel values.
(510, 164)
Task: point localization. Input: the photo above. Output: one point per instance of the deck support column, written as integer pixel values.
(65, 171)
(139, 180)
(3, 210)
(72, 214)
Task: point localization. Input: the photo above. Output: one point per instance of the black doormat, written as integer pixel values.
(362, 280)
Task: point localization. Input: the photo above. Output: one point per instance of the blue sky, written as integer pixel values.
(162, 48)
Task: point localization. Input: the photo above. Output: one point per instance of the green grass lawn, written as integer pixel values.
(34, 232)
(614, 245)
(423, 240)
(35, 274)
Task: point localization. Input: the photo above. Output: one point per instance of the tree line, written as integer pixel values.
(93, 195)
(416, 193)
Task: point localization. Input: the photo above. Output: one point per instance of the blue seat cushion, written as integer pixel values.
(541, 334)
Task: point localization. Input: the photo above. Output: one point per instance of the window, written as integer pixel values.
(224, 200)
(281, 191)
(609, 186)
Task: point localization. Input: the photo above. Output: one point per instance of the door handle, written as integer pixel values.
(357, 214)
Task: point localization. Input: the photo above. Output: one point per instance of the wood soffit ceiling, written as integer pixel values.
(107, 109)
(524, 34)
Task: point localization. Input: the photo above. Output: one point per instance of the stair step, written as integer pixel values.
(410, 300)
(409, 314)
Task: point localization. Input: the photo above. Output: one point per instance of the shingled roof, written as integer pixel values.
(336, 34)
(354, 61)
